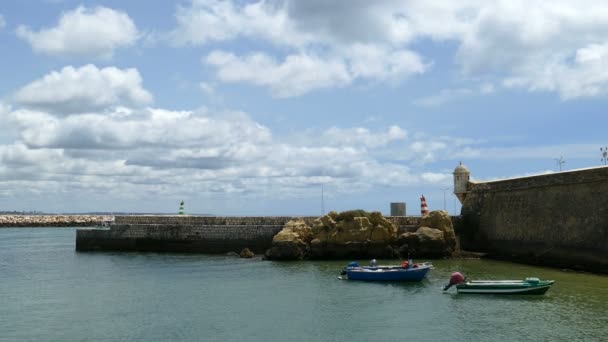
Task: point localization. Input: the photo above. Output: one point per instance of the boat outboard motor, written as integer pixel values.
(373, 263)
(455, 279)
(351, 264)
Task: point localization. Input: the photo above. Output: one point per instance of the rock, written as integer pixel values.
(425, 242)
(440, 219)
(291, 243)
(247, 253)
(293, 231)
(354, 233)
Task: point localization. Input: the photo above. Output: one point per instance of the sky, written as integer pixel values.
(284, 107)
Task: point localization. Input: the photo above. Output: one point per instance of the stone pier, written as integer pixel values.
(196, 234)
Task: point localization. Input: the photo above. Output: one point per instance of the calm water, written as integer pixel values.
(48, 292)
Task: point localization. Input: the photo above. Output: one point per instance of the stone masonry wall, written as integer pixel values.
(201, 234)
(558, 219)
(403, 223)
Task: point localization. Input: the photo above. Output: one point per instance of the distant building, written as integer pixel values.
(398, 209)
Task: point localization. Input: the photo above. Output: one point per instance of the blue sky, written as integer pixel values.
(250, 107)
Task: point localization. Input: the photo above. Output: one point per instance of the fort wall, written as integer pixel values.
(556, 219)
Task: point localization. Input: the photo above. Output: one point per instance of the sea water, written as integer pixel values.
(49, 292)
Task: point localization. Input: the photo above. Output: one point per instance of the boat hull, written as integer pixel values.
(387, 274)
(505, 287)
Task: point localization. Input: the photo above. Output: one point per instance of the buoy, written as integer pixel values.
(455, 279)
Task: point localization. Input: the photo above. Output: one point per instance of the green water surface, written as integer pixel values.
(49, 292)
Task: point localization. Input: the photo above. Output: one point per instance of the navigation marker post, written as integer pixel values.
(424, 209)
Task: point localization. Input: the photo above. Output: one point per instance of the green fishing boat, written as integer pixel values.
(530, 285)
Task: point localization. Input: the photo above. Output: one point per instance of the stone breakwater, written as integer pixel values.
(196, 234)
(53, 220)
(403, 223)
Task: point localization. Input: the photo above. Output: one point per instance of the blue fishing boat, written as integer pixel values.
(407, 271)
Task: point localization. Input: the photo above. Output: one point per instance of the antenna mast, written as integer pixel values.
(322, 202)
(560, 162)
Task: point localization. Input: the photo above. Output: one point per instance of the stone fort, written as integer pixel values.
(558, 219)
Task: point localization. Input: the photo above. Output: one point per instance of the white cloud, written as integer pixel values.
(4, 109)
(323, 48)
(363, 137)
(380, 62)
(146, 128)
(453, 94)
(2, 22)
(533, 45)
(207, 88)
(486, 88)
(293, 23)
(586, 76)
(437, 178)
(88, 32)
(297, 75)
(536, 45)
(301, 73)
(539, 152)
(205, 21)
(18, 155)
(444, 96)
(147, 152)
(84, 89)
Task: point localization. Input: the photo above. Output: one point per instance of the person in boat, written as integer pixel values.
(373, 263)
(409, 263)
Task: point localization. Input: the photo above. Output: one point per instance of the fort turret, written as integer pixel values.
(461, 182)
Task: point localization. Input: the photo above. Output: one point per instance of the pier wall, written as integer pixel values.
(200, 234)
(557, 219)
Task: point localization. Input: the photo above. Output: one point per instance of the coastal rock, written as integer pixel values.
(440, 219)
(291, 243)
(425, 242)
(246, 253)
(354, 233)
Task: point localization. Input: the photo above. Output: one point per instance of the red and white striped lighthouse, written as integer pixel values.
(424, 209)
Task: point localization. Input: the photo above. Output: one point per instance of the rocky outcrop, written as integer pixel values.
(246, 253)
(53, 220)
(291, 243)
(353, 233)
(435, 238)
(361, 234)
(425, 242)
(440, 219)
